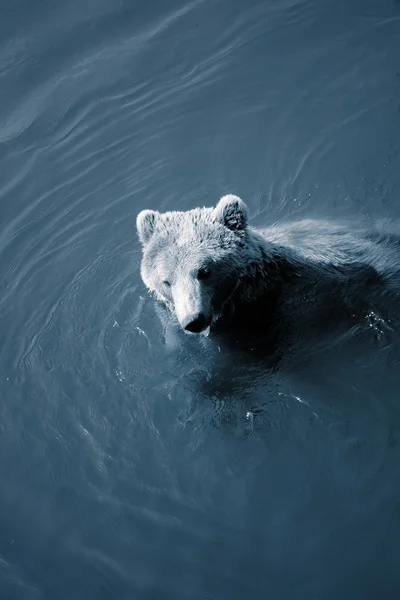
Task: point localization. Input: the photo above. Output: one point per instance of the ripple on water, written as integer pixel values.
(132, 444)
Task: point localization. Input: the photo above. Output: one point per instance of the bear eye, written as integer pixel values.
(166, 283)
(203, 273)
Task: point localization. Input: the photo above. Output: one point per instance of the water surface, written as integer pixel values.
(134, 462)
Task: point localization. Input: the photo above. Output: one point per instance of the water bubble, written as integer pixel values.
(375, 322)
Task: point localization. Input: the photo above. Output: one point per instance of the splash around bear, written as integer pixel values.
(216, 273)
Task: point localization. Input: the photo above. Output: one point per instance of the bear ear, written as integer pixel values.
(146, 223)
(231, 211)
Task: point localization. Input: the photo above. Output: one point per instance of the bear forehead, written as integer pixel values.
(187, 241)
(191, 220)
(197, 226)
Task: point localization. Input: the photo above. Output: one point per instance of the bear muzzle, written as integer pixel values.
(196, 323)
(192, 305)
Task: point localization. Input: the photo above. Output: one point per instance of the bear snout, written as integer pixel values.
(196, 323)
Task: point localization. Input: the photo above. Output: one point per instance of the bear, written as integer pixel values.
(217, 274)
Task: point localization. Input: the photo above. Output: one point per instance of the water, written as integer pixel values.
(136, 463)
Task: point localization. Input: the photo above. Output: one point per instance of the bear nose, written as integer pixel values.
(196, 324)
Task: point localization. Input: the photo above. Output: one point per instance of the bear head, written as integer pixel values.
(193, 260)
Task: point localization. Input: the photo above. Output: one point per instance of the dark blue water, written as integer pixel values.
(133, 463)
